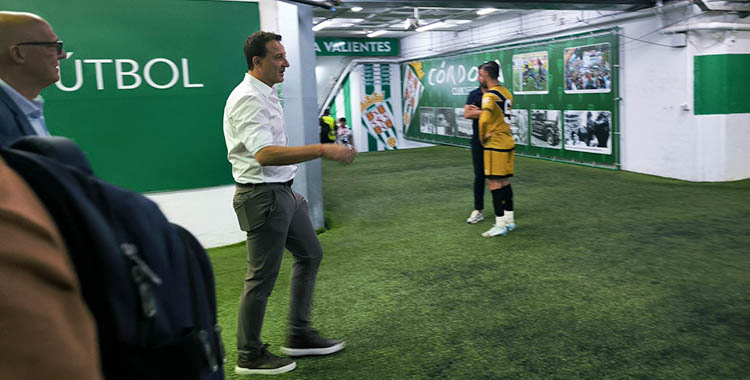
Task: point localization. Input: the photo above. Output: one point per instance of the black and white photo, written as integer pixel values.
(427, 120)
(588, 131)
(519, 126)
(463, 125)
(444, 121)
(546, 128)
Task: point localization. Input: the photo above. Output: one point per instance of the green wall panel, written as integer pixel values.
(159, 127)
(446, 81)
(722, 84)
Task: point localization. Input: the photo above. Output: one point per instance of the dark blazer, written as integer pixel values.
(13, 123)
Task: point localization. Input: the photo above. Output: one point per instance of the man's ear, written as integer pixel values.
(14, 52)
(256, 61)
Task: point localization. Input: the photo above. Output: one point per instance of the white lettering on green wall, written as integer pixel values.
(356, 47)
(455, 74)
(127, 74)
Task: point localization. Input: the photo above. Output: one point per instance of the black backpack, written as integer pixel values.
(148, 283)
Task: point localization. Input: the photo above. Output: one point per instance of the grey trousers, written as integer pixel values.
(275, 217)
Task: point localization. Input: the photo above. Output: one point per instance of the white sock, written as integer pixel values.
(500, 221)
(508, 217)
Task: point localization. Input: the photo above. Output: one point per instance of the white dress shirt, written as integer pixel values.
(32, 109)
(253, 120)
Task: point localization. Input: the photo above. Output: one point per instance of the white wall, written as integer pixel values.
(657, 136)
(300, 101)
(207, 213)
(724, 153)
(661, 135)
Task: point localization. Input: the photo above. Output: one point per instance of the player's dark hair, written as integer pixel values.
(492, 69)
(255, 45)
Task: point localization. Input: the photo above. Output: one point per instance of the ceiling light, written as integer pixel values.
(377, 33)
(486, 11)
(351, 20)
(356, 9)
(322, 25)
(434, 25)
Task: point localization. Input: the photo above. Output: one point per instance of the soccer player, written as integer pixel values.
(494, 133)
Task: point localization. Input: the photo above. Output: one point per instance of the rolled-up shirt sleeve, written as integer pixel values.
(251, 123)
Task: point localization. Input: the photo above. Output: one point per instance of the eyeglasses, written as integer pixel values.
(57, 44)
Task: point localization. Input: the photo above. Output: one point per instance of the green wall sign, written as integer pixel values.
(721, 84)
(370, 47)
(564, 97)
(144, 90)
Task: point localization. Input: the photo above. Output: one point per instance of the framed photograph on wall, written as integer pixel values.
(531, 73)
(588, 69)
(427, 120)
(519, 126)
(588, 131)
(463, 125)
(444, 121)
(546, 128)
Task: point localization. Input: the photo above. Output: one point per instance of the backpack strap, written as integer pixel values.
(197, 262)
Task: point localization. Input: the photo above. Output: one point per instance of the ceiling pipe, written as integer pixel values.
(348, 69)
(727, 6)
(321, 4)
(720, 26)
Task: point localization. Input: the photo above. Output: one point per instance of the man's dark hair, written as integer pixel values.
(492, 69)
(327, 112)
(255, 45)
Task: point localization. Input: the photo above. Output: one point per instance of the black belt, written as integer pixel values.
(254, 185)
(500, 150)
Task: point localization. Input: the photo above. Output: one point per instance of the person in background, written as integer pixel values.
(274, 216)
(494, 133)
(30, 54)
(472, 111)
(46, 329)
(327, 128)
(344, 134)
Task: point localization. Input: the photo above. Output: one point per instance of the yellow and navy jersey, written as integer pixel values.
(497, 101)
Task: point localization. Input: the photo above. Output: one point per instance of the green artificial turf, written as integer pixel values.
(609, 275)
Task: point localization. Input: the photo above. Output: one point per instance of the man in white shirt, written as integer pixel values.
(30, 54)
(273, 215)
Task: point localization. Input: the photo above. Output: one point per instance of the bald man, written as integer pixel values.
(30, 55)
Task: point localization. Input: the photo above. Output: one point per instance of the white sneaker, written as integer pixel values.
(495, 231)
(509, 223)
(475, 217)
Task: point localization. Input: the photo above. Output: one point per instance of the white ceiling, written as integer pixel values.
(392, 16)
